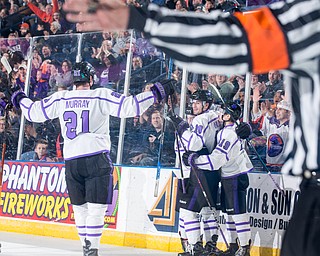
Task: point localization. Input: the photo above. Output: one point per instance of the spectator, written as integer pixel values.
(192, 87)
(227, 5)
(274, 84)
(120, 45)
(36, 60)
(196, 4)
(65, 76)
(40, 152)
(147, 154)
(54, 75)
(212, 79)
(276, 131)
(41, 87)
(14, 117)
(7, 137)
(274, 125)
(145, 49)
(47, 15)
(39, 30)
(13, 43)
(55, 28)
(241, 83)
(110, 70)
(181, 6)
(138, 76)
(255, 82)
(64, 25)
(225, 88)
(208, 6)
(46, 52)
(24, 29)
(30, 137)
(22, 75)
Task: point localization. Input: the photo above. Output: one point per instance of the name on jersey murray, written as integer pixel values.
(77, 103)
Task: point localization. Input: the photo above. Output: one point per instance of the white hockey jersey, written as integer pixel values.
(200, 136)
(84, 116)
(229, 155)
(277, 138)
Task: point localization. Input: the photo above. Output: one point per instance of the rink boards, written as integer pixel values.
(34, 200)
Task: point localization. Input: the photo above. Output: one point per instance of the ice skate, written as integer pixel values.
(87, 251)
(197, 249)
(211, 247)
(243, 250)
(186, 247)
(233, 247)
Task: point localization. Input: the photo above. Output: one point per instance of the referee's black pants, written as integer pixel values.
(302, 237)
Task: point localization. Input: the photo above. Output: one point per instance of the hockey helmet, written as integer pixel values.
(82, 71)
(234, 110)
(203, 95)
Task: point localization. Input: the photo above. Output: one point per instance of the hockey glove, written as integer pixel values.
(16, 97)
(179, 124)
(189, 158)
(163, 90)
(243, 130)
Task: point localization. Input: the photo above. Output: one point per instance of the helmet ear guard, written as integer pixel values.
(82, 71)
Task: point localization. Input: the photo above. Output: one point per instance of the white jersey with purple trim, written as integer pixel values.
(202, 131)
(84, 116)
(200, 135)
(229, 155)
(277, 138)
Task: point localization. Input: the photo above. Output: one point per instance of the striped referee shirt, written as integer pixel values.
(284, 35)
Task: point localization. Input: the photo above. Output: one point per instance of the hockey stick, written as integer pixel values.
(265, 167)
(180, 162)
(156, 187)
(165, 112)
(6, 64)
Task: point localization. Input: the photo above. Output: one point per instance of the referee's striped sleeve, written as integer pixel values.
(258, 41)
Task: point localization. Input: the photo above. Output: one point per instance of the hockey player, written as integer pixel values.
(231, 157)
(200, 138)
(84, 121)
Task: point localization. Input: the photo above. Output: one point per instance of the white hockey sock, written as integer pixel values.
(209, 221)
(80, 218)
(231, 228)
(95, 223)
(243, 228)
(191, 224)
(182, 231)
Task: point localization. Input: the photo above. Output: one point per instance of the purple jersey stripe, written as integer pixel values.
(120, 105)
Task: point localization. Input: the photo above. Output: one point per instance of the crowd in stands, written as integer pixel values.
(54, 51)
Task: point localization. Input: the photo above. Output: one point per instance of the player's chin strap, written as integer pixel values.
(263, 163)
(204, 193)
